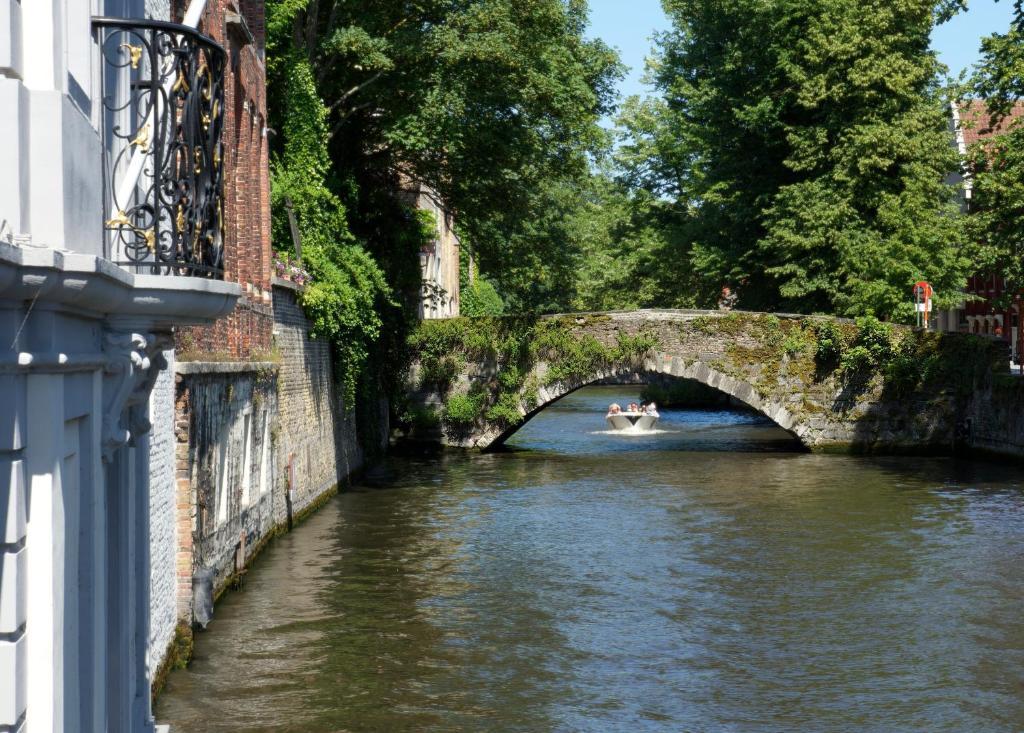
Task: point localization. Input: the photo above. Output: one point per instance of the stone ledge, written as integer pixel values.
(90, 284)
(223, 367)
(279, 282)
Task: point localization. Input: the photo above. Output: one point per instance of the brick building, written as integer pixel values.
(212, 477)
(984, 315)
(250, 432)
(439, 258)
(239, 28)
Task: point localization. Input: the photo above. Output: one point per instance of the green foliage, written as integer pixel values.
(996, 223)
(422, 418)
(342, 303)
(571, 357)
(930, 363)
(481, 299)
(506, 410)
(829, 342)
(999, 78)
(494, 105)
(510, 377)
(795, 343)
(348, 291)
(799, 154)
(462, 410)
(515, 345)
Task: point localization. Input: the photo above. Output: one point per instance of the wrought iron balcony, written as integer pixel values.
(163, 113)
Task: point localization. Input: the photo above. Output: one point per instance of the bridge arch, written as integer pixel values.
(660, 364)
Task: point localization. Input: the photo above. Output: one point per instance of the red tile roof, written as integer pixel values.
(976, 123)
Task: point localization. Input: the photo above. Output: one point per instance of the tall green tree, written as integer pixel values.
(802, 148)
(492, 103)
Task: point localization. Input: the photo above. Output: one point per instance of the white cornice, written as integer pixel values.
(92, 284)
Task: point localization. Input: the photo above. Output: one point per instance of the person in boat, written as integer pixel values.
(614, 409)
(651, 409)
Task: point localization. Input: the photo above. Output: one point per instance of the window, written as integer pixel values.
(247, 456)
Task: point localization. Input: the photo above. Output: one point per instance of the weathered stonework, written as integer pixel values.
(225, 415)
(256, 444)
(742, 356)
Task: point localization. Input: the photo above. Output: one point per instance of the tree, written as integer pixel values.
(491, 103)
(803, 149)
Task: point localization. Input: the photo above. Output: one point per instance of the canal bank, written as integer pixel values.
(246, 446)
(703, 578)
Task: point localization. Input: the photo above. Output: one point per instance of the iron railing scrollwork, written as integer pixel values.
(163, 108)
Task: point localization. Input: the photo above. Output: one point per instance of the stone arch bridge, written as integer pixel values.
(833, 384)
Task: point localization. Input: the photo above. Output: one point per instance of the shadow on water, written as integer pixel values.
(701, 579)
(578, 426)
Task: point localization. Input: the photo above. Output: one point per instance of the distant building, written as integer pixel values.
(439, 258)
(970, 124)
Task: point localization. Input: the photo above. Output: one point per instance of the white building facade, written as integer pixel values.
(439, 259)
(109, 237)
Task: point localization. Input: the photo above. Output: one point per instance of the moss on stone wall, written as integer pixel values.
(486, 373)
(513, 348)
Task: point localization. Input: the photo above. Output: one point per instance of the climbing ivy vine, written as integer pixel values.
(348, 291)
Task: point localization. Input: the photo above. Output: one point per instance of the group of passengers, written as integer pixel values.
(644, 408)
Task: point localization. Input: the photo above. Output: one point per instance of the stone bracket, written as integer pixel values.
(133, 361)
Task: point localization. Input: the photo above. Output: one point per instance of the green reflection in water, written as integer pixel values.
(700, 579)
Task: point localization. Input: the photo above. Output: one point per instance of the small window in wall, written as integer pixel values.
(247, 457)
(265, 456)
(223, 454)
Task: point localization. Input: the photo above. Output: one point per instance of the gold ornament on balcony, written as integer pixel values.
(165, 186)
(141, 138)
(119, 221)
(134, 53)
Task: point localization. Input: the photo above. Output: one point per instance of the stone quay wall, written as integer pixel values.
(241, 450)
(318, 448)
(993, 424)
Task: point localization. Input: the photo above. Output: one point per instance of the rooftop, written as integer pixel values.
(976, 123)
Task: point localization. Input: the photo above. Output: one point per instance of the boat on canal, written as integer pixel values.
(632, 421)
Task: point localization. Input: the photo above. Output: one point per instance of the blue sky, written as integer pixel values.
(629, 24)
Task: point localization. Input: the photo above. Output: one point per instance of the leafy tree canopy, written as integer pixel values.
(996, 223)
(491, 103)
(801, 150)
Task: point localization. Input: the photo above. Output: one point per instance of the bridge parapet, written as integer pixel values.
(834, 384)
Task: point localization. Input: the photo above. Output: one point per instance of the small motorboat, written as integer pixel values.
(632, 421)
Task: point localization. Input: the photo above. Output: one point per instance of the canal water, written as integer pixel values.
(703, 578)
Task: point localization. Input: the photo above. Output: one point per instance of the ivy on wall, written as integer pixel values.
(348, 290)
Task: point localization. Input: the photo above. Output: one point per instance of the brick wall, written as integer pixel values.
(247, 254)
(318, 446)
(255, 445)
(162, 518)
